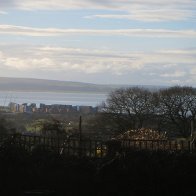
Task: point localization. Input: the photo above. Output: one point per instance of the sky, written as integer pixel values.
(139, 42)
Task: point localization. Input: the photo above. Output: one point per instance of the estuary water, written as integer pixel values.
(80, 98)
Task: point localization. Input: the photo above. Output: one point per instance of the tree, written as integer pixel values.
(177, 107)
(3, 126)
(6, 126)
(130, 107)
(52, 127)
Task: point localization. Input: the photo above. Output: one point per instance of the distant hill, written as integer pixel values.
(41, 85)
(24, 84)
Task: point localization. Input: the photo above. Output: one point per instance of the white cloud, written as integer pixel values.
(193, 71)
(3, 13)
(145, 10)
(163, 67)
(179, 52)
(92, 4)
(23, 64)
(176, 74)
(156, 15)
(30, 31)
(175, 82)
(93, 61)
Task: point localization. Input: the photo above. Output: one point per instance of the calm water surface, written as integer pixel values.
(88, 99)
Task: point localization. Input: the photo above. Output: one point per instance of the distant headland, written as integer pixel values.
(43, 85)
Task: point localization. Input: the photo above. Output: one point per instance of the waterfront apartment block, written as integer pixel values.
(53, 109)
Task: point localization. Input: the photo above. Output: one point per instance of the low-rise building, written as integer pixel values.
(14, 107)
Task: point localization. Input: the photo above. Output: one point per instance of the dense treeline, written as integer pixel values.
(172, 110)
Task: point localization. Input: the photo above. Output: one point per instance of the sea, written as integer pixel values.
(75, 99)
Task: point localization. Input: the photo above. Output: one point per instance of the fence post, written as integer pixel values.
(170, 146)
(182, 145)
(68, 146)
(146, 145)
(152, 145)
(129, 143)
(80, 128)
(90, 150)
(101, 150)
(58, 145)
(134, 144)
(189, 146)
(176, 145)
(140, 145)
(95, 149)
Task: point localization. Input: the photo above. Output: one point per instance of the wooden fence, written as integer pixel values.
(60, 145)
(164, 145)
(92, 148)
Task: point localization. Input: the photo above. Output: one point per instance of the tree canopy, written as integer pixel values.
(171, 109)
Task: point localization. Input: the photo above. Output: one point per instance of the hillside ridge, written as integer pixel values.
(44, 85)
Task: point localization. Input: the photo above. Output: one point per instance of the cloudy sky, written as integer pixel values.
(99, 41)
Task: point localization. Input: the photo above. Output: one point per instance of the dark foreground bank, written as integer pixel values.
(42, 172)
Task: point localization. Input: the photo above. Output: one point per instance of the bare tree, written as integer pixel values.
(177, 106)
(140, 103)
(130, 107)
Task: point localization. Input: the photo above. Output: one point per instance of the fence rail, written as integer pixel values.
(164, 145)
(60, 145)
(92, 148)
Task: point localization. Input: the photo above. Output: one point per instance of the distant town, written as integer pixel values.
(43, 108)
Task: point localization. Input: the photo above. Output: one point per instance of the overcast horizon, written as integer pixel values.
(136, 42)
